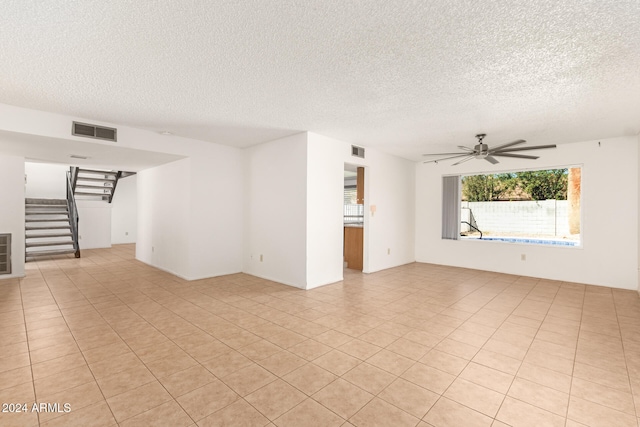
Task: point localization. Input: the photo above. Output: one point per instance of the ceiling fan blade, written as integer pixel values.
(444, 154)
(446, 158)
(536, 147)
(463, 160)
(517, 156)
(508, 144)
(491, 160)
(462, 147)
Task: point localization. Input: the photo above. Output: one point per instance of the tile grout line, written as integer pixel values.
(506, 394)
(199, 363)
(575, 357)
(626, 364)
(76, 343)
(74, 337)
(136, 355)
(26, 332)
(469, 361)
(389, 295)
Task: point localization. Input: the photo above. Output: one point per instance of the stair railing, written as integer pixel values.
(113, 189)
(73, 211)
(473, 226)
(74, 178)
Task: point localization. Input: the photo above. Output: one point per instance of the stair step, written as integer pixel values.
(57, 243)
(85, 193)
(95, 191)
(42, 236)
(97, 187)
(33, 254)
(35, 201)
(29, 212)
(86, 178)
(96, 172)
(47, 227)
(46, 207)
(29, 208)
(66, 220)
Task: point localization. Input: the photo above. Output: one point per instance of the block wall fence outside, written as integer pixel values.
(534, 217)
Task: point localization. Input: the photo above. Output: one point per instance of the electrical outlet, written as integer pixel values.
(126, 233)
(153, 248)
(260, 257)
(388, 251)
(523, 257)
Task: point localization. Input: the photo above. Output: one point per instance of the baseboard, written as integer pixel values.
(274, 280)
(12, 276)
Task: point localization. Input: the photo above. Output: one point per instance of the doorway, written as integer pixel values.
(353, 217)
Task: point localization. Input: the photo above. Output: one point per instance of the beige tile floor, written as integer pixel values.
(420, 345)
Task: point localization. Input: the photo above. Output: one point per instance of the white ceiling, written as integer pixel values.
(99, 155)
(404, 76)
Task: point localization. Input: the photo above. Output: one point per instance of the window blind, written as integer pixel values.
(451, 207)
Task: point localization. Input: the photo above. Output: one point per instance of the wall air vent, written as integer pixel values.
(357, 151)
(5, 253)
(93, 131)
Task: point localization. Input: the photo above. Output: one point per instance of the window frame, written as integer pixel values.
(520, 240)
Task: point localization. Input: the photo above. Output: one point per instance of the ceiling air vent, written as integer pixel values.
(357, 151)
(93, 131)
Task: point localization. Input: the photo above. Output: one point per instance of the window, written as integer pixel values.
(353, 212)
(531, 206)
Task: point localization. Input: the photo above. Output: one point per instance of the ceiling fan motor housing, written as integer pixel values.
(481, 150)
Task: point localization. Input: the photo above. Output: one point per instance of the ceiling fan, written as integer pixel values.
(482, 151)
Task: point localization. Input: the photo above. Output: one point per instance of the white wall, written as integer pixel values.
(294, 210)
(46, 180)
(276, 210)
(325, 199)
(12, 198)
(208, 225)
(389, 186)
(190, 214)
(211, 183)
(94, 224)
(215, 212)
(609, 203)
(124, 211)
(163, 217)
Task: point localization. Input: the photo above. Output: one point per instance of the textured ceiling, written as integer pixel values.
(404, 76)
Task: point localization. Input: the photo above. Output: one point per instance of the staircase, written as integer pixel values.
(51, 225)
(91, 184)
(48, 229)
